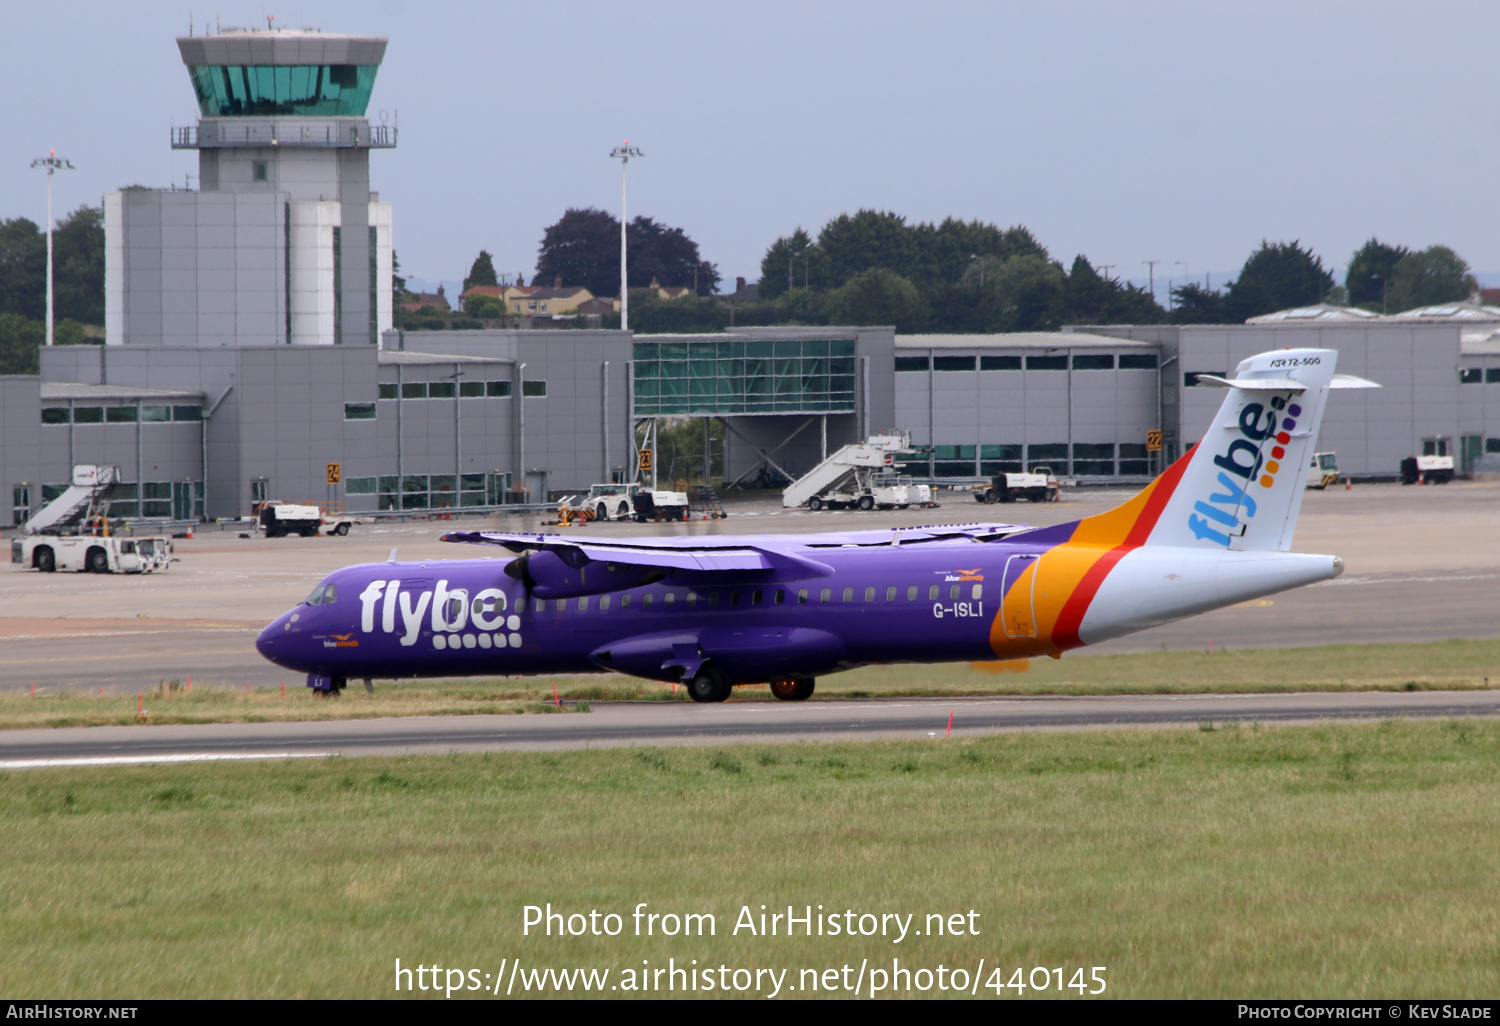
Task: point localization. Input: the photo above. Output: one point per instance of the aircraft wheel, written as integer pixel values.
(793, 690)
(44, 560)
(866, 502)
(815, 504)
(97, 562)
(710, 685)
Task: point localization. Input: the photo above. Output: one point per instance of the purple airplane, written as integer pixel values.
(712, 612)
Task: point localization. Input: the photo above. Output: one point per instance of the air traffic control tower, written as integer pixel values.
(283, 243)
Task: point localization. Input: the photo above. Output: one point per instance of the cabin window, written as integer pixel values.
(734, 598)
(781, 596)
(869, 594)
(646, 600)
(603, 603)
(692, 600)
(668, 599)
(978, 591)
(453, 612)
(953, 591)
(848, 594)
(801, 596)
(932, 593)
(713, 599)
(890, 593)
(911, 593)
(755, 598)
(583, 604)
(825, 596)
(624, 601)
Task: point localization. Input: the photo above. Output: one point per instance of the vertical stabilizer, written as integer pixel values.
(1243, 484)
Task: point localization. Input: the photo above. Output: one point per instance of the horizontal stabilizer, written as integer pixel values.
(1253, 384)
(1350, 381)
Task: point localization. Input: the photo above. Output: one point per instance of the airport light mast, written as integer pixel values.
(53, 163)
(623, 154)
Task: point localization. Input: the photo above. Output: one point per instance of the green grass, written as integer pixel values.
(1334, 861)
(1446, 665)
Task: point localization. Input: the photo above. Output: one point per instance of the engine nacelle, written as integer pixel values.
(553, 574)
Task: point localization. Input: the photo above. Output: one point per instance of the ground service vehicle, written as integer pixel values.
(658, 504)
(1037, 486)
(1323, 470)
(279, 519)
(1427, 470)
(713, 611)
(94, 554)
(859, 476)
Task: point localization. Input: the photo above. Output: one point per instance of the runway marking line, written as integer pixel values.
(144, 760)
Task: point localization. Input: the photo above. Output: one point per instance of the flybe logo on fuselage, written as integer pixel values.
(1242, 464)
(456, 619)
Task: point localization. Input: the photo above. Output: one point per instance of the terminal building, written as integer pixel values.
(249, 347)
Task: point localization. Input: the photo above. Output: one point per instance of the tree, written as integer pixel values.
(583, 248)
(1369, 276)
(78, 266)
(1095, 299)
(1194, 304)
(399, 291)
(482, 272)
(1027, 293)
(1430, 276)
(20, 339)
(793, 261)
(866, 240)
(23, 269)
(878, 296)
(1277, 277)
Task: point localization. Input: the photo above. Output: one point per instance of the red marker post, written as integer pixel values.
(554, 695)
(950, 724)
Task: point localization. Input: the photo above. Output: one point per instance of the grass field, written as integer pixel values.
(1331, 861)
(1448, 665)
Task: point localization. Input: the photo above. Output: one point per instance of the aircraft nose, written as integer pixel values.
(274, 641)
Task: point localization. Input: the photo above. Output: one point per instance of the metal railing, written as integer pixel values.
(262, 133)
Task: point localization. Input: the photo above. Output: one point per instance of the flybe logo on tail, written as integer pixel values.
(1241, 465)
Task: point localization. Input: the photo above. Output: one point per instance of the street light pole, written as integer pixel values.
(53, 163)
(623, 154)
(1151, 268)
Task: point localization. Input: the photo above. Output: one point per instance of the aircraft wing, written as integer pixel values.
(726, 556)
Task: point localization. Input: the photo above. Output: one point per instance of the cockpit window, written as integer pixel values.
(326, 593)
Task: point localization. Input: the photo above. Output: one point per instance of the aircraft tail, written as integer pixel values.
(1242, 486)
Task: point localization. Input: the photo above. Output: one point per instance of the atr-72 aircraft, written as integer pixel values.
(712, 612)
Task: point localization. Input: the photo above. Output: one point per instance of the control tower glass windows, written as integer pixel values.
(329, 90)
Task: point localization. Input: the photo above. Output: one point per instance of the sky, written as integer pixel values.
(1179, 132)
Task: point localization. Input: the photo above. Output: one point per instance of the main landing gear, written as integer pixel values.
(793, 689)
(710, 684)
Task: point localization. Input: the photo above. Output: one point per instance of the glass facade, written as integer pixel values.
(721, 377)
(329, 90)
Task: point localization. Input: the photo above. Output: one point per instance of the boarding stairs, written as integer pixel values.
(874, 453)
(85, 498)
(709, 504)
